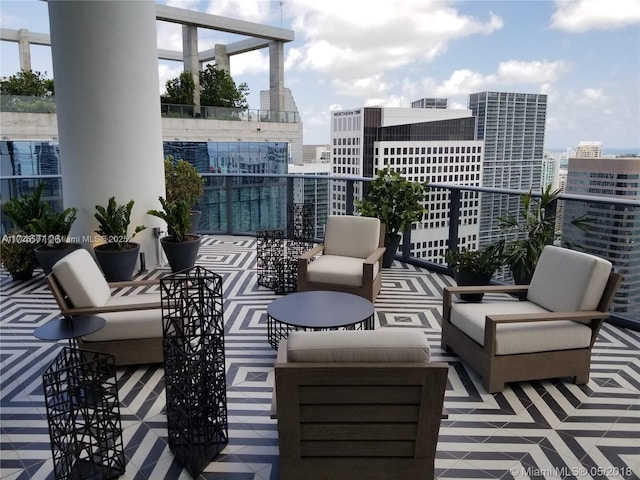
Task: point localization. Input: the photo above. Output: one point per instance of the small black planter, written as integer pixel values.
(117, 265)
(22, 275)
(391, 250)
(465, 279)
(48, 256)
(181, 255)
(195, 216)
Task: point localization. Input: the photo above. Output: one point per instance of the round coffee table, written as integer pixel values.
(317, 310)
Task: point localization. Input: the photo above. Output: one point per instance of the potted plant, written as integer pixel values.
(183, 182)
(24, 209)
(474, 268)
(397, 202)
(180, 246)
(16, 255)
(52, 233)
(118, 255)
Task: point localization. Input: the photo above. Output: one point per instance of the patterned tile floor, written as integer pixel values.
(539, 430)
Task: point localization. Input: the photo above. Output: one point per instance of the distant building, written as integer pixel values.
(512, 126)
(430, 103)
(424, 145)
(290, 107)
(617, 237)
(316, 154)
(589, 150)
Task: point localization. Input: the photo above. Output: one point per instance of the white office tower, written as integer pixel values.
(550, 174)
(617, 234)
(424, 145)
(314, 188)
(295, 144)
(512, 126)
(589, 150)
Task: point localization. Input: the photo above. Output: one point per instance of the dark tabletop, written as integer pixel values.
(65, 327)
(320, 309)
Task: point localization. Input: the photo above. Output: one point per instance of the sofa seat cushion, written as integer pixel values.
(335, 346)
(337, 270)
(517, 338)
(80, 277)
(132, 324)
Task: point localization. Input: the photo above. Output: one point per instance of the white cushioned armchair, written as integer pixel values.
(358, 404)
(549, 335)
(133, 322)
(349, 260)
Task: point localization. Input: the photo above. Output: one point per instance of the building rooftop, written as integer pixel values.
(540, 429)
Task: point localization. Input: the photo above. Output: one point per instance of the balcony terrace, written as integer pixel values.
(541, 429)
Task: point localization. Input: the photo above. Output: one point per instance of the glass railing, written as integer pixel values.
(25, 104)
(244, 204)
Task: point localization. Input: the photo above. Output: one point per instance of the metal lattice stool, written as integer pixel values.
(194, 365)
(270, 253)
(83, 410)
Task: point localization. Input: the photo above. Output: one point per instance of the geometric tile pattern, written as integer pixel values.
(549, 429)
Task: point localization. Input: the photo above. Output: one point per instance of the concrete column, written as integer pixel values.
(191, 60)
(24, 49)
(222, 59)
(105, 66)
(276, 76)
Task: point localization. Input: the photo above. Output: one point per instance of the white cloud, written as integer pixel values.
(541, 71)
(250, 10)
(339, 37)
(582, 15)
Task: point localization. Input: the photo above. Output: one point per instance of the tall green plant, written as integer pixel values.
(25, 209)
(535, 229)
(177, 217)
(114, 221)
(182, 182)
(393, 199)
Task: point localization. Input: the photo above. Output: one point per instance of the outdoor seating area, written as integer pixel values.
(550, 428)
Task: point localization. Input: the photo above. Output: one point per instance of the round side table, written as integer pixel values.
(69, 327)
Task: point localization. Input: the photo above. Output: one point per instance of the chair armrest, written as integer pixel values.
(488, 289)
(309, 254)
(375, 256)
(305, 258)
(134, 283)
(110, 309)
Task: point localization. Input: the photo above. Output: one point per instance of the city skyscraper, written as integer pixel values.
(617, 235)
(423, 145)
(512, 126)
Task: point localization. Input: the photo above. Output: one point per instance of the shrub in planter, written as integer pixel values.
(16, 255)
(184, 183)
(474, 268)
(118, 255)
(180, 246)
(53, 229)
(397, 203)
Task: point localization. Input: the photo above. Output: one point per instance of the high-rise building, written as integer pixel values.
(512, 126)
(430, 103)
(617, 235)
(424, 145)
(290, 107)
(589, 150)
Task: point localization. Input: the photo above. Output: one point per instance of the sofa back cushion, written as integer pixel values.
(567, 281)
(81, 279)
(336, 346)
(351, 236)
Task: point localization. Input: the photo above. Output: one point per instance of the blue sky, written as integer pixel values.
(584, 54)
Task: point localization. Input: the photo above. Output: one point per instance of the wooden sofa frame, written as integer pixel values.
(126, 352)
(370, 286)
(496, 370)
(378, 421)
